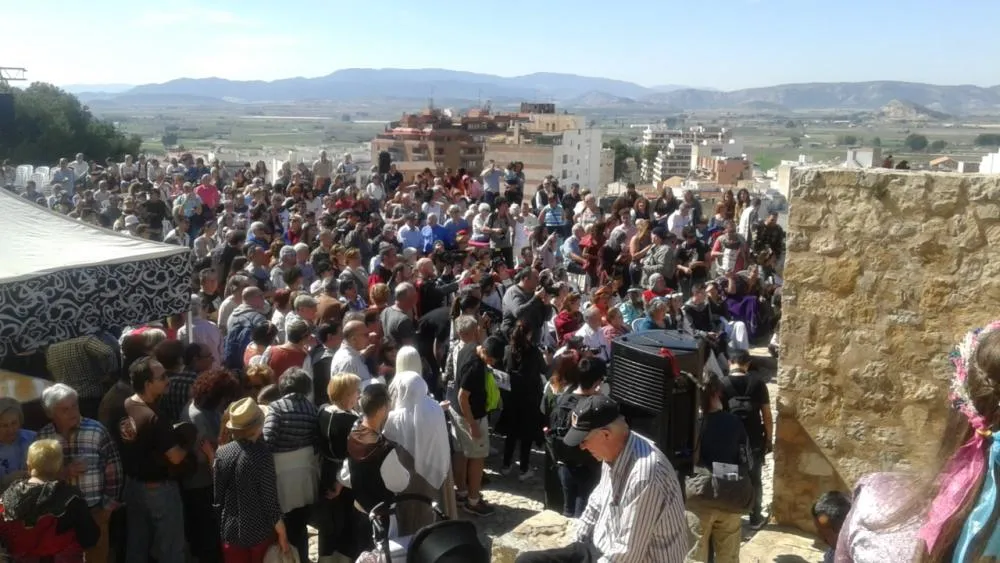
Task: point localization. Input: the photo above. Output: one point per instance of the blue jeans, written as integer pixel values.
(577, 484)
(155, 522)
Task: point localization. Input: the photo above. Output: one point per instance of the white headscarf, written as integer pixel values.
(417, 424)
(407, 359)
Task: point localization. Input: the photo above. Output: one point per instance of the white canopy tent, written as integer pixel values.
(61, 278)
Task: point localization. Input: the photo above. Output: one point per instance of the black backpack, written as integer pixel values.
(560, 421)
(742, 404)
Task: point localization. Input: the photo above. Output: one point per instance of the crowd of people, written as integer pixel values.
(348, 342)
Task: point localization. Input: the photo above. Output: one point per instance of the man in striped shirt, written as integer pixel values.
(636, 513)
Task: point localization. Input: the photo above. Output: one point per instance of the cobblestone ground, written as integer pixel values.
(516, 501)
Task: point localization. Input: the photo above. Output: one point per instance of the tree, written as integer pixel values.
(169, 139)
(50, 124)
(796, 141)
(790, 124)
(938, 145)
(915, 142)
(877, 142)
(987, 140)
(849, 140)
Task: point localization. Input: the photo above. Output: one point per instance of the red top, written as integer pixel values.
(282, 358)
(38, 541)
(566, 324)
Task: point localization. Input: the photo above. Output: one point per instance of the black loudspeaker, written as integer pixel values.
(384, 161)
(6, 109)
(652, 378)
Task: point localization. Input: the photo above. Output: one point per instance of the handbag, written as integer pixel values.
(704, 490)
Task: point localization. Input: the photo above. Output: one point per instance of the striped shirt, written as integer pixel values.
(292, 423)
(636, 513)
(90, 443)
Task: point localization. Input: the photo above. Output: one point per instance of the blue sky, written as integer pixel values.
(724, 44)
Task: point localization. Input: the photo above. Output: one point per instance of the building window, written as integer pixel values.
(564, 174)
(438, 152)
(565, 158)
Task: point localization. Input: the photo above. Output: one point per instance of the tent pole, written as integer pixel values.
(190, 326)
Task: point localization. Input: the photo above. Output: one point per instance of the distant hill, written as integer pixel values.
(901, 110)
(761, 106)
(567, 89)
(599, 100)
(843, 95)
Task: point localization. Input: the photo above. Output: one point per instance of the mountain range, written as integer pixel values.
(567, 90)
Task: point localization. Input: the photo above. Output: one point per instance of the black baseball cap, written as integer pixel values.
(591, 413)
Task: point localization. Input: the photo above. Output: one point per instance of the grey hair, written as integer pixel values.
(655, 306)
(590, 311)
(655, 278)
(465, 323)
(296, 331)
(10, 404)
(56, 394)
(353, 316)
(304, 302)
(294, 380)
(403, 289)
(197, 306)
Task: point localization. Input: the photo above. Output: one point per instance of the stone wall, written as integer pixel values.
(885, 271)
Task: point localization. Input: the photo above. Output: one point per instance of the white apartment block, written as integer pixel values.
(579, 159)
(679, 158)
(990, 163)
(659, 137)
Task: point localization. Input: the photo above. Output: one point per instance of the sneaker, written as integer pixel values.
(526, 475)
(480, 508)
(507, 470)
(461, 498)
(758, 522)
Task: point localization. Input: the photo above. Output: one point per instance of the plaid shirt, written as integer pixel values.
(177, 395)
(82, 363)
(101, 481)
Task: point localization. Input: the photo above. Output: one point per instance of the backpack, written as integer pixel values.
(236, 343)
(742, 404)
(560, 421)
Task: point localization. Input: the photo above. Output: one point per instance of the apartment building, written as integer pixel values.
(607, 167)
(658, 138)
(432, 140)
(679, 158)
(725, 171)
(571, 156)
(577, 158)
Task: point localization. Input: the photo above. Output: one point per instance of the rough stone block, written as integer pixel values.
(893, 268)
(545, 530)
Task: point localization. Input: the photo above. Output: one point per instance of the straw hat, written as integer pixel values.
(244, 414)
